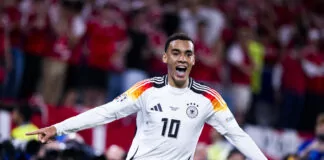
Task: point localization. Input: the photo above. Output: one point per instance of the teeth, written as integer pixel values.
(182, 67)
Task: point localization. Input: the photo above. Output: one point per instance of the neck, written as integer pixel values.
(173, 83)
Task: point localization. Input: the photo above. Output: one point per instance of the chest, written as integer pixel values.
(189, 110)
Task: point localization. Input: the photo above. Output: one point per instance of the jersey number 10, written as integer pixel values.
(173, 129)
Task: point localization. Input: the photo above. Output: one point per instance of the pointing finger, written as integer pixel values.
(40, 131)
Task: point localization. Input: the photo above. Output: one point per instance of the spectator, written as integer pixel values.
(156, 38)
(256, 53)
(35, 47)
(138, 54)
(5, 55)
(314, 149)
(313, 64)
(208, 60)
(291, 85)
(76, 40)
(170, 18)
(105, 56)
(241, 67)
(14, 77)
(21, 117)
(32, 149)
(194, 12)
(67, 31)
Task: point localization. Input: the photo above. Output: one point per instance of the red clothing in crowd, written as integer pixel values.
(76, 49)
(76, 53)
(14, 17)
(60, 49)
(2, 41)
(315, 84)
(237, 76)
(286, 14)
(227, 35)
(271, 54)
(293, 77)
(101, 42)
(157, 40)
(38, 42)
(202, 72)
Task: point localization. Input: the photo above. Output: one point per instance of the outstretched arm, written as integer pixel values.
(91, 118)
(222, 119)
(122, 106)
(224, 122)
(97, 116)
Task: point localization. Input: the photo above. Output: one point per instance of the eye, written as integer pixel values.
(175, 53)
(189, 54)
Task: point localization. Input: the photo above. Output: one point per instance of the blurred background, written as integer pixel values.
(59, 58)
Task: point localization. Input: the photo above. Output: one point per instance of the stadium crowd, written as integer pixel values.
(265, 57)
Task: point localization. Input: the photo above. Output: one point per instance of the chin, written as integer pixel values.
(179, 81)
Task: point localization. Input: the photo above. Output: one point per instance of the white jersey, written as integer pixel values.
(169, 120)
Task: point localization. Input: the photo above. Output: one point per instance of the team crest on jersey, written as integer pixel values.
(192, 110)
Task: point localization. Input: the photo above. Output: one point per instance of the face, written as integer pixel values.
(179, 59)
(320, 129)
(16, 117)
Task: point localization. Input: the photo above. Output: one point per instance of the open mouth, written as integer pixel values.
(181, 71)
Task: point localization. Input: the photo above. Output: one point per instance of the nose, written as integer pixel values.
(182, 58)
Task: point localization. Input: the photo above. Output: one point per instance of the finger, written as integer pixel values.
(46, 138)
(40, 137)
(40, 131)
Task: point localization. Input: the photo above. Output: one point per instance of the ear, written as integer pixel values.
(193, 60)
(164, 58)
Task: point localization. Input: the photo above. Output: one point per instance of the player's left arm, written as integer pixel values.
(222, 119)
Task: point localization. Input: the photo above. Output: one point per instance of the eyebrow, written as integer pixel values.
(177, 50)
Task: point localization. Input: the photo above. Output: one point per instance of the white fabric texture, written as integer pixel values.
(169, 120)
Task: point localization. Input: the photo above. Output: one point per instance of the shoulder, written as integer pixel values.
(159, 81)
(154, 82)
(140, 87)
(212, 95)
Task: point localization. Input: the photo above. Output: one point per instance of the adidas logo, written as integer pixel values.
(157, 108)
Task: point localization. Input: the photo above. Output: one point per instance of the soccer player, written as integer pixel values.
(171, 112)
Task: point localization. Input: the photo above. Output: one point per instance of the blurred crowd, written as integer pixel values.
(73, 146)
(265, 57)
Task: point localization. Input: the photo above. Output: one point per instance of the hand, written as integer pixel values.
(44, 134)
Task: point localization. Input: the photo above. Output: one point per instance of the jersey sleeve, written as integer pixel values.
(122, 106)
(222, 119)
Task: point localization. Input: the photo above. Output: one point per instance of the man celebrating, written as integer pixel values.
(171, 112)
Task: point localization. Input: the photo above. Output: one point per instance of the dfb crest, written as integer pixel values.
(192, 110)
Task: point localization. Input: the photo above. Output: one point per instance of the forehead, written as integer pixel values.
(182, 45)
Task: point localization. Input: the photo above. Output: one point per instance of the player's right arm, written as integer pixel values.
(122, 106)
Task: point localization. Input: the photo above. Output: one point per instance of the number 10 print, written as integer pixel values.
(173, 129)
